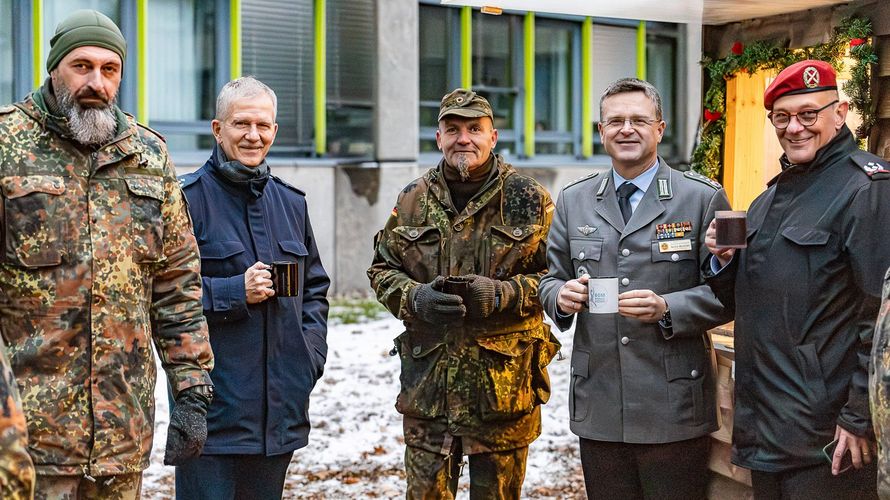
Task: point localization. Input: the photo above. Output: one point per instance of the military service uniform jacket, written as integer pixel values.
(806, 292)
(879, 388)
(635, 382)
(98, 261)
(484, 379)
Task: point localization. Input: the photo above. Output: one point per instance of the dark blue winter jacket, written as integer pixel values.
(268, 355)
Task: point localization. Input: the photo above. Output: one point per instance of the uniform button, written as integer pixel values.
(459, 227)
(581, 255)
(517, 232)
(675, 257)
(625, 252)
(413, 233)
(416, 350)
(625, 340)
(625, 281)
(582, 271)
(693, 373)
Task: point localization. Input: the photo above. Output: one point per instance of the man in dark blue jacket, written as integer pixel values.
(270, 350)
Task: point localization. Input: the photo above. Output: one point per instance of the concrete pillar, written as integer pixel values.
(396, 115)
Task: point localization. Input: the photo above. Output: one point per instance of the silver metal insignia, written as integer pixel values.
(586, 229)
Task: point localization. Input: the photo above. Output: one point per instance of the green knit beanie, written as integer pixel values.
(85, 28)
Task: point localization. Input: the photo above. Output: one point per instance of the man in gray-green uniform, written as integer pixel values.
(98, 262)
(879, 389)
(473, 363)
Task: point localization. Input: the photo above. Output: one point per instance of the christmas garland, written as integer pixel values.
(853, 32)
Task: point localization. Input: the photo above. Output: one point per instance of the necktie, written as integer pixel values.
(624, 192)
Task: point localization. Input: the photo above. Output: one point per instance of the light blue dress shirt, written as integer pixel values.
(641, 181)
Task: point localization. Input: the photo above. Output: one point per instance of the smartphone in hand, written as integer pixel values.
(846, 460)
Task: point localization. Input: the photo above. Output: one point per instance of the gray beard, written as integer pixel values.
(88, 126)
(463, 167)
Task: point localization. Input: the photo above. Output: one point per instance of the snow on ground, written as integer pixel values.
(355, 448)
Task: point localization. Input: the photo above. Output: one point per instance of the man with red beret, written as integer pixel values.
(806, 292)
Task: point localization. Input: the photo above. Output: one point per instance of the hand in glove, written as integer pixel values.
(487, 295)
(187, 431)
(432, 305)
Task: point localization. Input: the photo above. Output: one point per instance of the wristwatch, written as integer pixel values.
(205, 390)
(665, 320)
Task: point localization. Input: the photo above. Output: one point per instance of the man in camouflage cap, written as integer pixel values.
(879, 388)
(459, 262)
(99, 261)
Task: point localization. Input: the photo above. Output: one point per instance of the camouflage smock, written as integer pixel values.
(879, 390)
(16, 468)
(483, 380)
(98, 260)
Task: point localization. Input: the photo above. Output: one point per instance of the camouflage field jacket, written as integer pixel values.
(16, 468)
(879, 389)
(484, 379)
(98, 260)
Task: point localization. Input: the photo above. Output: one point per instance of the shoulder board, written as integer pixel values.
(692, 174)
(873, 166)
(576, 181)
(285, 184)
(153, 131)
(187, 180)
(5, 110)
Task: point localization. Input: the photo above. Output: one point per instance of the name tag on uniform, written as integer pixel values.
(674, 246)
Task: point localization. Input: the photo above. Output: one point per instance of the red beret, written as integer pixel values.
(801, 78)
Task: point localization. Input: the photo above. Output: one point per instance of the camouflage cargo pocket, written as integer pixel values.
(507, 379)
(512, 250)
(423, 375)
(545, 350)
(34, 231)
(146, 223)
(419, 248)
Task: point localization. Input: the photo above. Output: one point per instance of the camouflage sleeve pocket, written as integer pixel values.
(35, 218)
(507, 376)
(147, 225)
(512, 250)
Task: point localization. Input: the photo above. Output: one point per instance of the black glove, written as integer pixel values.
(433, 306)
(487, 295)
(188, 426)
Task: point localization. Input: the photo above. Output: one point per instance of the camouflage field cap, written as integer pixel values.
(466, 103)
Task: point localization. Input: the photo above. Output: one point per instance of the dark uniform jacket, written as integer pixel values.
(484, 379)
(634, 382)
(806, 293)
(98, 262)
(269, 355)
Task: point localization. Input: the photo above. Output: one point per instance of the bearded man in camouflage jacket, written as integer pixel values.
(98, 261)
(474, 356)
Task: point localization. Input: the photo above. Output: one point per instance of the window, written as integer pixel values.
(438, 66)
(351, 48)
(278, 49)
(553, 86)
(495, 71)
(614, 57)
(181, 71)
(661, 71)
(6, 51)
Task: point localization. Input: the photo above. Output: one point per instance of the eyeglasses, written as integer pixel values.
(635, 122)
(806, 117)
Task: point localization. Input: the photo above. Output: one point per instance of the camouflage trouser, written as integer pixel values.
(496, 475)
(119, 487)
(880, 408)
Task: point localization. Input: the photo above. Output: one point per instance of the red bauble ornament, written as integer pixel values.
(738, 48)
(712, 116)
(857, 41)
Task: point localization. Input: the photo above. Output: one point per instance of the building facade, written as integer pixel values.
(359, 83)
